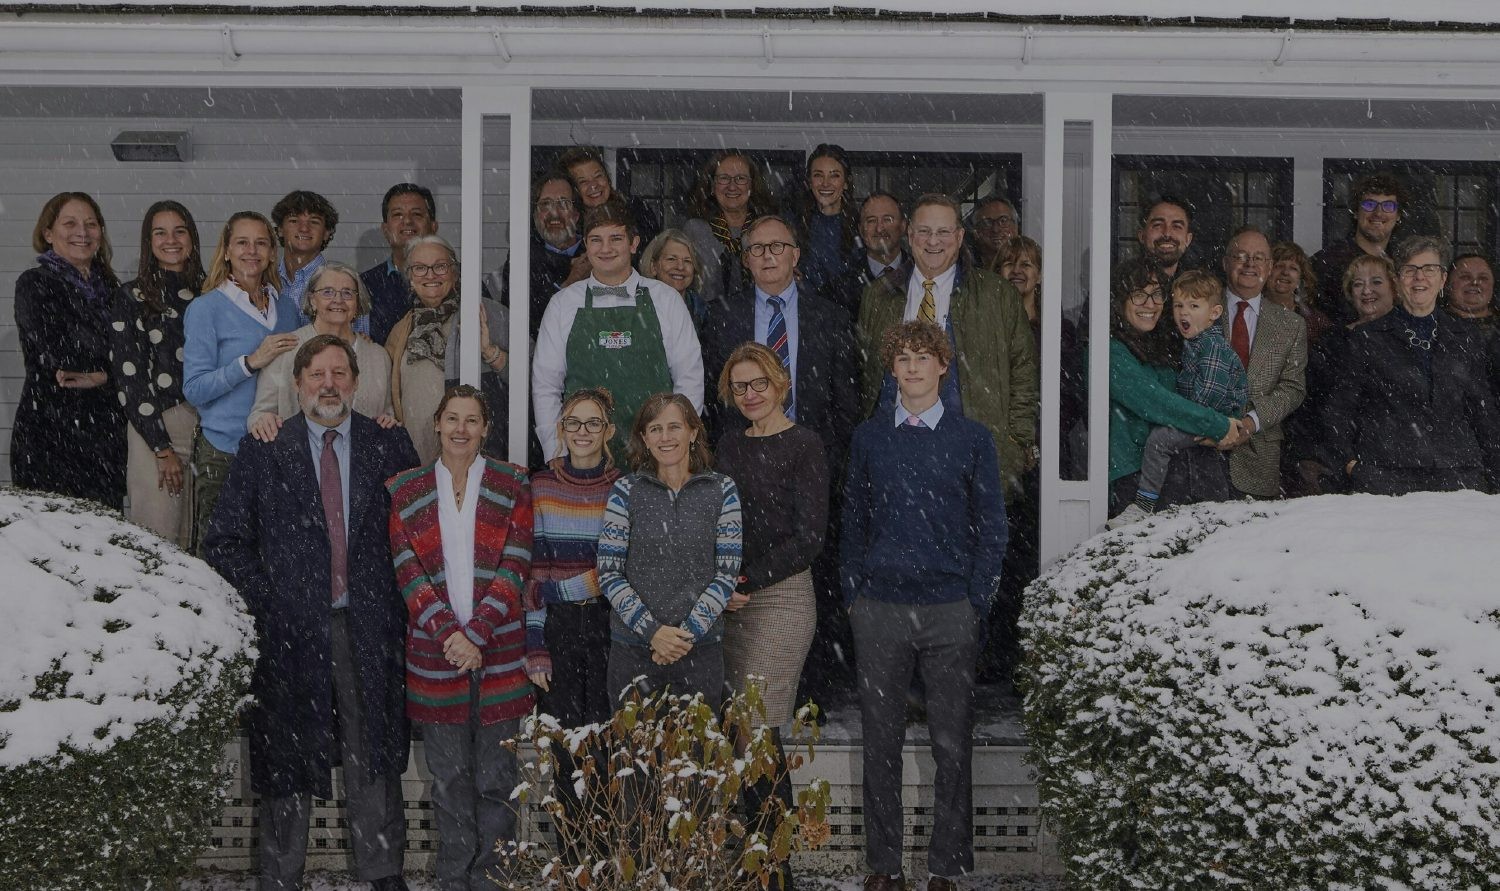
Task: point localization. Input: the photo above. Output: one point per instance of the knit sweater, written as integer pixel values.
(436, 692)
(218, 335)
(568, 511)
(924, 513)
(670, 558)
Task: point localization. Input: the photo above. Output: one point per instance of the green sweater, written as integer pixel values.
(1143, 396)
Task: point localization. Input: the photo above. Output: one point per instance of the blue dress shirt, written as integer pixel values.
(763, 328)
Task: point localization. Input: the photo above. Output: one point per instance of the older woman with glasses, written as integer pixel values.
(729, 194)
(423, 348)
(334, 298)
(1415, 412)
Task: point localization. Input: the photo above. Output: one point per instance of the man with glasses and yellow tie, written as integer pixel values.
(995, 378)
(1377, 202)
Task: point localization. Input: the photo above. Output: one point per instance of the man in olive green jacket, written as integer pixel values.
(997, 380)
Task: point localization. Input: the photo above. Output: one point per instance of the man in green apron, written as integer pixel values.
(616, 329)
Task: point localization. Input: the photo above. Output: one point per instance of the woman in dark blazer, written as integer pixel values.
(1415, 413)
(69, 434)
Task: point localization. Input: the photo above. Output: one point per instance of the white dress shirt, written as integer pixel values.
(1232, 303)
(930, 417)
(456, 529)
(942, 294)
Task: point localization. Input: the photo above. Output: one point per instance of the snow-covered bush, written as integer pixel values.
(122, 664)
(1291, 695)
(659, 788)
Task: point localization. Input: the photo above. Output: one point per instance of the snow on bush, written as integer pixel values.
(1289, 695)
(123, 662)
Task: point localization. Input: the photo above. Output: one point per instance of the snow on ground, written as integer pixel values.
(122, 613)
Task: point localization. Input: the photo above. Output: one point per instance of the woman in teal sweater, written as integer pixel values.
(1142, 386)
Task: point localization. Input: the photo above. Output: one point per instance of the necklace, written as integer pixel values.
(1421, 343)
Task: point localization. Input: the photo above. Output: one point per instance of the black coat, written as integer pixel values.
(849, 289)
(268, 537)
(1386, 412)
(827, 388)
(65, 440)
(549, 270)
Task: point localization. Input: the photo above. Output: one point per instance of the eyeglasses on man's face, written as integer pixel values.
(1427, 270)
(775, 248)
(759, 385)
(554, 205)
(1370, 205)
(1240, 258)
(573, 425)
(340, 293)
(441, 268)
(985, 224)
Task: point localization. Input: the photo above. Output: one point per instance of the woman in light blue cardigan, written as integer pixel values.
(235, 329)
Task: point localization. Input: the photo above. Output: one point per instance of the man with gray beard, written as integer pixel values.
(557, 255)
(301, 532)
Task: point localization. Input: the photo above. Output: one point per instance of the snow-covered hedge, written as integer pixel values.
(122, 664)
(1293, 695)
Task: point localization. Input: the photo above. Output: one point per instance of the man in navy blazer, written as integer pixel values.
(301, 531)
(820, 346)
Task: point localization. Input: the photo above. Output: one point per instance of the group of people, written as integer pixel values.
(301, 426)
(1371, 366)
(865, 480)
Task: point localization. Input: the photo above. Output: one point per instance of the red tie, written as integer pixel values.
(332, 490)
(1239, 334)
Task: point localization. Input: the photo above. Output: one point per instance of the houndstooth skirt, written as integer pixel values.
(769, 637)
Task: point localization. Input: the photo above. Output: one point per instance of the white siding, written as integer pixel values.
(236, 165)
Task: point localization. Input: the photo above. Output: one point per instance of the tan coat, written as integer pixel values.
(1278, 382)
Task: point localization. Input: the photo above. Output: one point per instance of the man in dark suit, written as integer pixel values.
(815, 338)
(301, 531)
(882, 236)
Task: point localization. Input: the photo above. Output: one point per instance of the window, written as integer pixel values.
(1226, 193)
(966, 178)
(1455, 199)
(663, 178)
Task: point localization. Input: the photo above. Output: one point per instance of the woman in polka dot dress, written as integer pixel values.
(146, 354)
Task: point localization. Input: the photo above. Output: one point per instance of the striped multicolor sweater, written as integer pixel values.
(568, 506)
(436, 692)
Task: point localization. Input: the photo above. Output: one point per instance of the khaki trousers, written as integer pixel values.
(170, 516)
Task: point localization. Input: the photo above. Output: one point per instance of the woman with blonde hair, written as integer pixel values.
(672, 259)
(231, 333)
(335, 297)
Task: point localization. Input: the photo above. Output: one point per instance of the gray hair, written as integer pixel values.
(421, 240)
(762, 220)
(1417, 244)
(652, 253)
(362, 300)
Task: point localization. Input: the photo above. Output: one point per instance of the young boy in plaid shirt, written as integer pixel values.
(1211, 375)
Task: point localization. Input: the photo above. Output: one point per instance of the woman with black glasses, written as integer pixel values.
(729, 194)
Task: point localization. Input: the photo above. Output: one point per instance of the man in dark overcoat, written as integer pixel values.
(301, 531)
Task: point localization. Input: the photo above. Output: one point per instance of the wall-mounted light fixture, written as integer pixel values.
(153, 145)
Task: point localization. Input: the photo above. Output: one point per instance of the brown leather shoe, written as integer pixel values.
(938, 883)
(882, 882)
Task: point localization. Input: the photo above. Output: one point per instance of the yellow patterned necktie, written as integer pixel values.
(927, 312)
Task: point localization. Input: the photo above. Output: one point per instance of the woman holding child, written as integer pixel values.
(1143, 367)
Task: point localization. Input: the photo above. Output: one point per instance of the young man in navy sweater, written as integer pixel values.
(924, 534)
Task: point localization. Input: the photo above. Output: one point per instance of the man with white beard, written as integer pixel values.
(301, 532)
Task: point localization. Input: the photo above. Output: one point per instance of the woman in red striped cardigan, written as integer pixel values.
(461, 539)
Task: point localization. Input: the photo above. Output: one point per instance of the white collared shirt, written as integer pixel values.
(930, 417)
(1231, 308)
(241, 299)
(942, 294)
(456, 529)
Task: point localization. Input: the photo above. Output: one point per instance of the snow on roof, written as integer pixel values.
(1266, 13)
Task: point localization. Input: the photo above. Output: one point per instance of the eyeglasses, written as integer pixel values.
(1242, 257)
(993, 222)
(442, 268)
(738, 179)
(922, 233)
(759, 385)
(1141, 298)
(561, 205)
(1429, 270)
(775, 248)
(1368, 205)
(592, 425)
(341, 293)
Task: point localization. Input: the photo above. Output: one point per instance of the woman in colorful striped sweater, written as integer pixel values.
(568, 508)
(461, 532)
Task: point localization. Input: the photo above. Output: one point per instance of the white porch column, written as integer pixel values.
(1071, 510)
(513, 103)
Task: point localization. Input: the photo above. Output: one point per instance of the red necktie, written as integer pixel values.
(1239, 334)
(332, 489)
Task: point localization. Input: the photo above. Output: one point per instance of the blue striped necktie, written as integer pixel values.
(776, 339)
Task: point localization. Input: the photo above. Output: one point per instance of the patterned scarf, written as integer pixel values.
(96, 288)
(730, 241)
(427, 340)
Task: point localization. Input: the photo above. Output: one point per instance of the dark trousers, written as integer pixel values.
(473, 776)
(700, 671)
(577, 636)
(892, 640)
(210, 468)
(377, 818)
